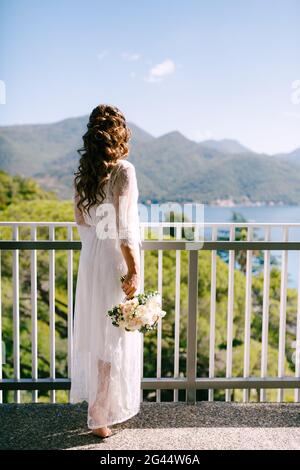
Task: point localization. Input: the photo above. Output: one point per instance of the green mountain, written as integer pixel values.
(169, 167)
(27, 149)
(226, 146)
(291, 157)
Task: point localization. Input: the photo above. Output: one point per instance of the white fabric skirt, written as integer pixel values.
(106, 365)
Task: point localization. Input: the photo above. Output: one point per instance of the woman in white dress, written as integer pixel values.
(106, 366)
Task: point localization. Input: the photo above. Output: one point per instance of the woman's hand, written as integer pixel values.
(130, 284)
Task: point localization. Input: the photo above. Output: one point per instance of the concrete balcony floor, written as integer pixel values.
(158, 426)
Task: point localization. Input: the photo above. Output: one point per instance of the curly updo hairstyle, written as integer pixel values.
(104, 143)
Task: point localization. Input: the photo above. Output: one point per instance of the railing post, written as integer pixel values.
(1, 343)
(282, 314)
(159, 325)
(248, 308)
(265, 319)
(212, 323)
(34, 315)
(177, 312)
(230, 308)
(191, 366)
(52, 310)
(16, 313)
(142, 285)
(70, 304)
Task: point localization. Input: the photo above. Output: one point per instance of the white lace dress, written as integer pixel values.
(106, 365)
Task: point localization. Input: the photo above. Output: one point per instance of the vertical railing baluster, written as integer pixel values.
(52, 309)
(248, 308)
(142, 287)
(230, 312)
(16, 313)
(282, 315)
(1, 344)
(177, 311)
(159, 326)
(196, 232)
(191, 364)
(265, 319)
(70, 304)
(297, 345)
(34, 323)
(212, 330)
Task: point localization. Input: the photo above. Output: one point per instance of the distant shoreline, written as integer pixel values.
(231, 203)
(228, 203)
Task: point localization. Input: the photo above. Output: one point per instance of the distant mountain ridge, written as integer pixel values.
(169, 167)
(226, 146)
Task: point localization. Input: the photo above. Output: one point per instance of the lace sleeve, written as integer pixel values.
(125, 200)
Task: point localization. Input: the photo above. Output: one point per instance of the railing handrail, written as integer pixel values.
(164, 383)
(159, 224)
(158, 245)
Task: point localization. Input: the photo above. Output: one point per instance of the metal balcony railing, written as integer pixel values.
(190, 382)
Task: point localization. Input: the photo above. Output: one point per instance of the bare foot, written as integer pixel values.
(102, 432)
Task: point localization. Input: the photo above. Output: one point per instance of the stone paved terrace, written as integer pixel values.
(163, 426)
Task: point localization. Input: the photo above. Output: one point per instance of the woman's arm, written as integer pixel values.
(131, 281)
(126, 208)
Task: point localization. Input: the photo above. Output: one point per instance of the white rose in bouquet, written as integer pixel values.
(141, 313)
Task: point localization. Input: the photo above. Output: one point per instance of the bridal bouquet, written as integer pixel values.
(141, 313)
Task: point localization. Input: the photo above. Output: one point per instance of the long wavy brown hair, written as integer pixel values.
(104, 143)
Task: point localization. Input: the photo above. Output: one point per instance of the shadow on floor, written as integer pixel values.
(47, 426)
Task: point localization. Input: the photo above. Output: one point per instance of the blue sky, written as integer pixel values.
(208, 68)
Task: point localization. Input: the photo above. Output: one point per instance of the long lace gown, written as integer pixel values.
(106, 366)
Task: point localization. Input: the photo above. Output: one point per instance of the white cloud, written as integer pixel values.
(159, 71)
(101, 55)
(132, 74)
(131, 56)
